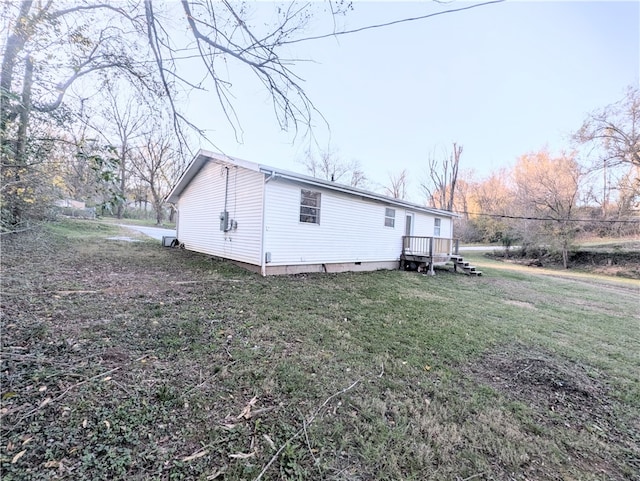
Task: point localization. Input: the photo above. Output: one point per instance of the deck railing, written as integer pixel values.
(429, 246)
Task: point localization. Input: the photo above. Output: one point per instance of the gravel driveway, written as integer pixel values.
(155, 232)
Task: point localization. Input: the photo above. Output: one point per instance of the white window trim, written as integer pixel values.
(318, 208)
(392, 218)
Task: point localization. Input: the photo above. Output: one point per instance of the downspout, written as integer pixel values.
(263, 262)
(226, 195)
(177, 219)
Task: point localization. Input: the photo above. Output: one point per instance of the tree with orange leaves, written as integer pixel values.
(548, 188)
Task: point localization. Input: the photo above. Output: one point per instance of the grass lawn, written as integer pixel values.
(131, 361)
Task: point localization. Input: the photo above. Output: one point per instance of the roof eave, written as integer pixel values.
(204, 156)
(292, 176)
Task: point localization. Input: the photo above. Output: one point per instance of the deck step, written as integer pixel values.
(466, 267)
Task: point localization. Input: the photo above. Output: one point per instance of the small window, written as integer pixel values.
(389, 217)
(310, 207)
(436, 227)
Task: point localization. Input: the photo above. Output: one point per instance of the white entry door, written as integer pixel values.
(408, 224)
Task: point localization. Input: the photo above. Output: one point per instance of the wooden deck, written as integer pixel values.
(422, 253)
(416, 247)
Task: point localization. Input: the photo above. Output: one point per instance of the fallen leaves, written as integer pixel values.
(269, 441)
(246, 412)
(242, 455)
(196, 455)
(17, 457)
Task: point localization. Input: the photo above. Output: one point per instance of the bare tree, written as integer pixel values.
(464, 189)
(397, 187)
(126, 120)
(157, 163)
(615, 131)
(613, 136)
(358, 177)
(328, 165)
(440, 187)
(117, 122)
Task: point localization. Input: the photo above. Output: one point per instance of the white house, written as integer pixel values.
(277, 222)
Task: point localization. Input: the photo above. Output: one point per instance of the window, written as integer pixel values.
(436, 227)
(389, 217)
(310, 206)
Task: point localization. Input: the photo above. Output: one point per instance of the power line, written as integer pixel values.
(517, 217)
(388, 24)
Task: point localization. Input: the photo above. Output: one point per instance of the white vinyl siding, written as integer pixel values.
(423, 226)
(202, 202)
(349, 231)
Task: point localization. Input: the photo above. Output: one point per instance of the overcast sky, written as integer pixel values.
(502, 80)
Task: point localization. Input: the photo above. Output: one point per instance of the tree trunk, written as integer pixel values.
(159, 213)
(565, 253)
(20, 158)
(15, 43)
(122, 203)
(157, 206)
(455, 163)
(25, 112)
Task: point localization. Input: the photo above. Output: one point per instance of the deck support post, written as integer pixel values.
(431, 271)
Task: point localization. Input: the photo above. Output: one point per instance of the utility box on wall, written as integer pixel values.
(224, 221)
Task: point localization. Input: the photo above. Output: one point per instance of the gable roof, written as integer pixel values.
(204, 156)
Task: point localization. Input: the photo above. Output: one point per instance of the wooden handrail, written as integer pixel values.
(429, 246)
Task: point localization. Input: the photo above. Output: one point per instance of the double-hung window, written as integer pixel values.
(310, 206)
(389, 217)
(436, 227)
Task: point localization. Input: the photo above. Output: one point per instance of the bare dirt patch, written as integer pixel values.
(559, 390)
(563, 395)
